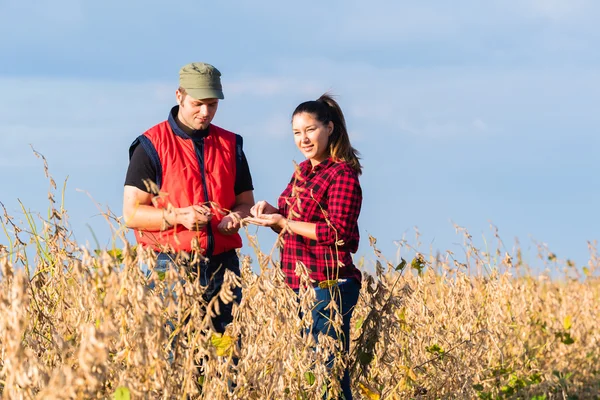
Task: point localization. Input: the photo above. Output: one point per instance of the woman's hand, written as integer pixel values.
(261, 208)
(275, 221)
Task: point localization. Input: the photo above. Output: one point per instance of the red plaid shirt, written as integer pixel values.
(330, 196)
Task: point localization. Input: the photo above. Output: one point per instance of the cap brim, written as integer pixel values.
(202, 94)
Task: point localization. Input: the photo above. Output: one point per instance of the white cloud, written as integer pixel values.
(394, 21)
(278, 125)
(437, 99)
(26, 18)
(426, 102)
(75, 123)
(269, 86)
(269, 126)
(438, 129)
(558, 10)
(479, 125)
(47, 103)
(357, 136)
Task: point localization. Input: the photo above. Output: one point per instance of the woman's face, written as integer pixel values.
(312, 137)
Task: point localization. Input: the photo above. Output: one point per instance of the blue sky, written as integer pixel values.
(468, 112)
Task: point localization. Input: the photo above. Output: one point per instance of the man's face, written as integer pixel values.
(196, 114)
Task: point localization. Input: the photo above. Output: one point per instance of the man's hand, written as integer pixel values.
(230, 224)
(193, 218)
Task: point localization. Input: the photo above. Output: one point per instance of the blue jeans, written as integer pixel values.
(346, 295)
(211, 275)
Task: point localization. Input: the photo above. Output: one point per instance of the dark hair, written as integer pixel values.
(326, 109)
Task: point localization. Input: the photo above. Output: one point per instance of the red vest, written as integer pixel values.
(182, 185)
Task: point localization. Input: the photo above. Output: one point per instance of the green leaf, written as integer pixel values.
(568, 375)
(586, 271)
(567, 323)
(435, 349)
(223, 344)
(116, 253)
(368, 392)
(515, 382)
(324, 390)
(478, 387)
(507, 390)
(556, 374)
(122, 393)
(365, 358)
(567, 339)
(535, 378)
(161, 275)
(418, 264)
(401, 266)
(500, 371)
(310, 377)
(359, 323)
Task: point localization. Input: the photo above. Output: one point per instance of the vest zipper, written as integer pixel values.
(199, 149)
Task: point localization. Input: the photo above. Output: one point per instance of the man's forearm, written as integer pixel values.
(243, 203)
(150, 218)
(242, 210)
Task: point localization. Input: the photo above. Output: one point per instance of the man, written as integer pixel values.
(188, 186)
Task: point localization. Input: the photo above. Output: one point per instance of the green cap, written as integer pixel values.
(201, 81)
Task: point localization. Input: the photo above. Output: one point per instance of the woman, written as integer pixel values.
(318, 213)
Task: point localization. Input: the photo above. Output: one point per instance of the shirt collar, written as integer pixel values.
(197, 134)
(306, 167)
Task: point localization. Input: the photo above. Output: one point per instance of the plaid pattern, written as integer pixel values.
(330, 196)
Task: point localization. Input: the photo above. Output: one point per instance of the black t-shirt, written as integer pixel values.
(141, 168)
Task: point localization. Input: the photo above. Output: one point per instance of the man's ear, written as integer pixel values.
(179, 97)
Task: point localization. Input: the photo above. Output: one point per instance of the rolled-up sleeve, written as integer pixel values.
(343, 208)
